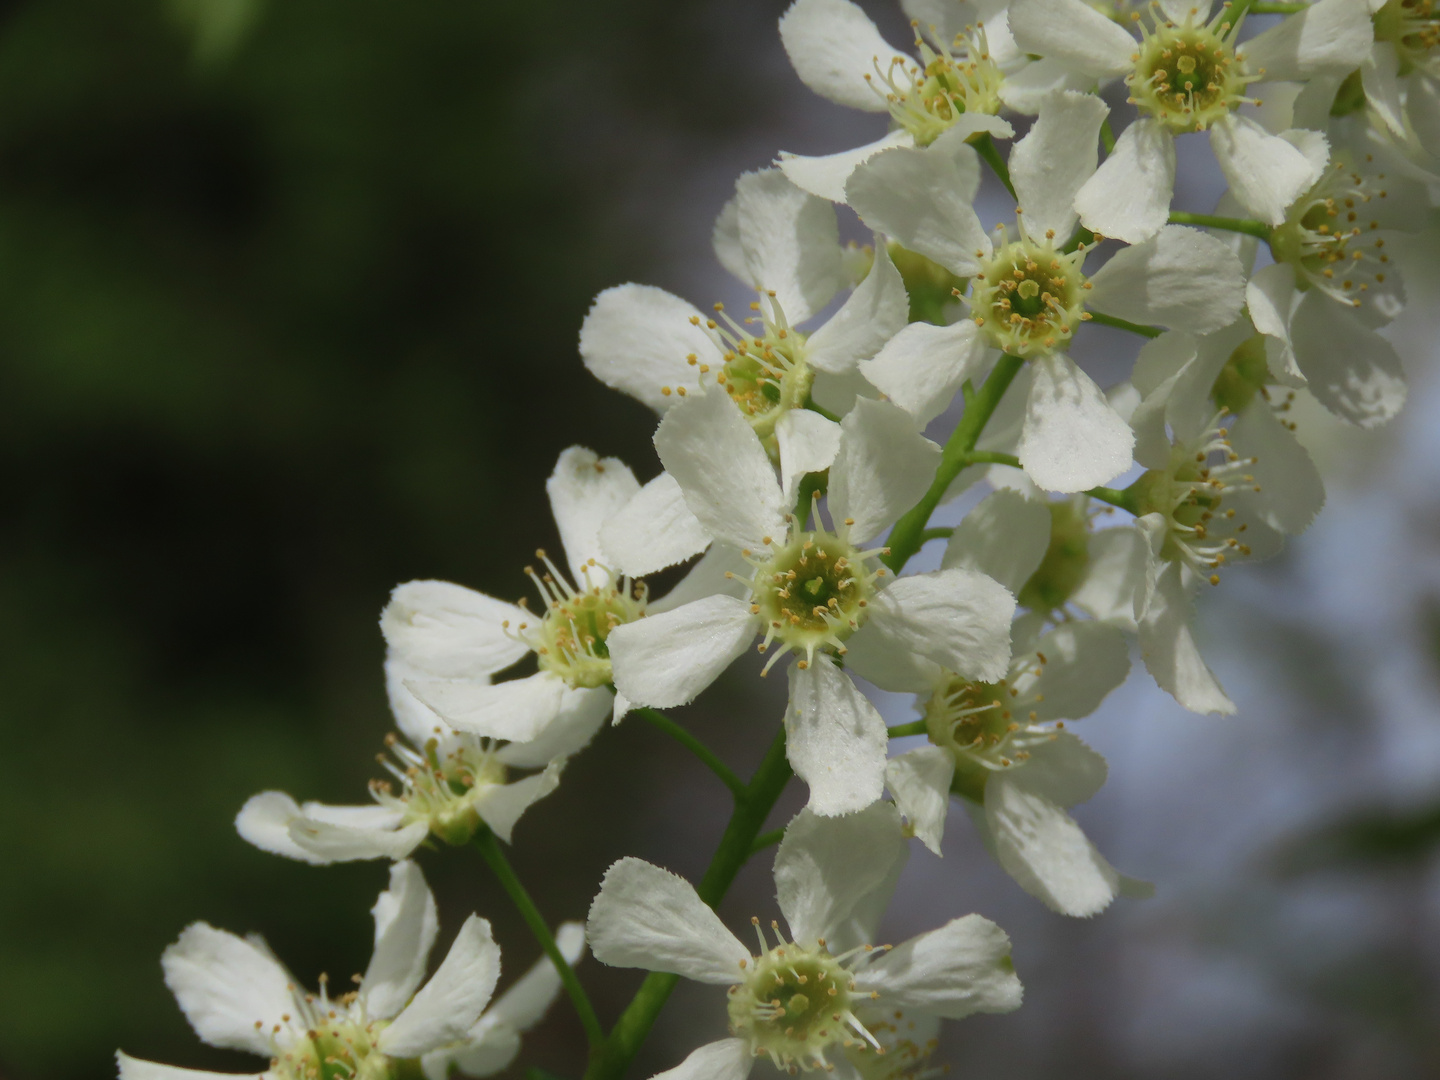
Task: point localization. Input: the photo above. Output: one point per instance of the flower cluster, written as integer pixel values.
(797, 478)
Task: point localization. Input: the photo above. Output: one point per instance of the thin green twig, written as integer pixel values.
(765, 840)
(492, 853)
(1249, 226)
(1125, 324)
(1107, 137)
(659, 720)
(915, 727)
(985, 147)
(937, 532)
(1125, 500)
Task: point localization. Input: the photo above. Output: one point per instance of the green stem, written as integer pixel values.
(491, 852)
(765, 840)
(1107, 137)
(1230, 224)
(915, 727)
(1125, 500)
(985, 147)
(826, 413)
(658, 719)
(1125, 324)
(811, 485)
(1081, 236)
(908, 533)
(939, 532)
(752, 807)
(992, 457)
(1276, 9)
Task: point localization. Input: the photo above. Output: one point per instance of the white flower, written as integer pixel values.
(1189, 75)
(447, 783)
(1333, 283)
(953, 90)
(237, 996)
(1002, 745)
(813, 592)
(459, 638)
(800, 1002)
(1029, 294)
(773, 236)
(1400, 79)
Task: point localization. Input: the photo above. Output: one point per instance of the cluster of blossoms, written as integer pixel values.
(797, 480)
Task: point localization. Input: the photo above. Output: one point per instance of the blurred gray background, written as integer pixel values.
(288, 304)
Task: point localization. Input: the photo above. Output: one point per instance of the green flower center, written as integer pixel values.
(1030, 296)
(812, 592)
(975, 722)
(1413, 27)
(1243, 376)
(1067, 558)
(926, 98)
(339, 1047)
(1188, 76)
(570, 639)
(440, 789)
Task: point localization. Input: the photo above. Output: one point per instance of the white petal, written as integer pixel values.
(405, 926)
(502, 805)
(580, 717)
(1161, 359)
(1084, 661)
(1062, 769)
(130, 1068)
(728, 1059)
(1265, 172)
(584, 490)
(717, 460)
(331, 841)
(1379, 76)
(808, 444)
(517, 709)
(486, 1051)
(655, 529)
(665, 660)
(823, 889)
(649, 918)
(1172, 657)
(1118, 558)
(1047, 854)
(265, 820)
(883, 467)
(957, 618)
(1072, 438)
(1179, 278)
(791, 242)
(1331, 36)
(725, 239)
(524, 1005)
(826, 176)
(962, 968)
(1292, 492)
(1422, 105)
(450, 1003)
(890, 663)
(1351, 370)
(1269, 296)
(1026, 88)
(919, 781)
(1052, 162)
(416, 720)
(921, 368)
(1128, 198)
(833, 46)
(1004, 537)
(449, 631)
(835, 739)
(636, 338)
(918, 198)
(1074, 32)
(721, 571)
(877, 310)
(231, 990)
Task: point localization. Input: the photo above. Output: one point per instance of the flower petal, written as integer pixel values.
(649, 918)
(882, 468)
(1270, 296)
(1084, 661)
(958, 618)
(823, 889)
(826, 175)
(502, 805)
(580, 717)
(636, 338)
(265, 820)
(1171, 655)
(653, 530)
(1062, 769)
(449, 1004)
(524, 1005)
(665, 660)
(1118, 560)
(449, 631)
(835, 739)
(1050, 164)
(727, 1059)
(918, 197)
(334, 841)
(919, 781)
(808, 444)
(877, 310)
(406, 923)
(1073, 32)
(1047, 854)
(923, 366)
(791, 242)
(889, 663)
(1128, 198)
(1004, 537)
(962, 968)
(1072, 438)
(1351, 370)
(584, 490)
(1292, 492)
(721, 571)
(231, 990)
(517, 709)
(1328, 37)
(717, 460)
(130, 1068)
(1266, 173)
(1026, 88)
(833, 46)
(1180, 278)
